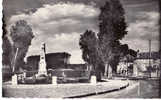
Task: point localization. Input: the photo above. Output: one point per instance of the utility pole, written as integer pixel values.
(14, 62)
(150, 56)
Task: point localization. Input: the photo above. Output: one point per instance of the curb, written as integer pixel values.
(98, 93)
(28, 92)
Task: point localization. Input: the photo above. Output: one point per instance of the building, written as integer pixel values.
(125, 66)
(53, 60)
(147, 64)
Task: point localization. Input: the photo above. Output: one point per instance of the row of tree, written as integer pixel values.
(103, 50)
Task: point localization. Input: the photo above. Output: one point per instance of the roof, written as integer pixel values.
(58, 54)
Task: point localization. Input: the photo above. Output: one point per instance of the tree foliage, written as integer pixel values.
(21, 35)
(88, 44)
(112, 28)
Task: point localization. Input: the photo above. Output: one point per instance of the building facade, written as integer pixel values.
(53, 60)
(125, 66)
(147, 64)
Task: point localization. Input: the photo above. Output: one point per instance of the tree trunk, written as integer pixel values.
(109, 72)
(14, 60)
(106, 68)
(88, 67)
(98, 72)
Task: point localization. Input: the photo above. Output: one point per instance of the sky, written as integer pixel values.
(59, 23)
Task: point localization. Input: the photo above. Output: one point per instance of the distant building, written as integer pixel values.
(125, 65)
(53, 60)
(147, 64)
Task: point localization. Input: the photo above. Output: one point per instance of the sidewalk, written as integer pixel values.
(63, 90)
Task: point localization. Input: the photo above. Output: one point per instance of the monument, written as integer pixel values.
(42, 64)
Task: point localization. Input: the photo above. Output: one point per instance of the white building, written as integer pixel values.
(124, 65)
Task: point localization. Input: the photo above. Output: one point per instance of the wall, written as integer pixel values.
(53, 60)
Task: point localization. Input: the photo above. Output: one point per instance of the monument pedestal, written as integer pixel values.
(42, 64)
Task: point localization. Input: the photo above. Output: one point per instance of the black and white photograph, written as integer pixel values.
(86, 49)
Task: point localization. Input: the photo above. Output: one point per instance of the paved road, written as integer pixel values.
(139, 89)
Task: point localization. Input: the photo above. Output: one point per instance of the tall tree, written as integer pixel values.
(21, 35)
(88, 44)
(112, 27)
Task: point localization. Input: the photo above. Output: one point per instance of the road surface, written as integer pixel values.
(136, 89)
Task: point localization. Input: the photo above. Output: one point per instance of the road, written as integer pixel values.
(136, 89)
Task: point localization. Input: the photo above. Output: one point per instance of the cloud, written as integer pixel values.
(133, 7)
(59, 43)
(61, 18)
(144, 28)
(60, 26)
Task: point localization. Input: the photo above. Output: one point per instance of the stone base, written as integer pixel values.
(93, 80)
(14, 80)
(42, 72)
(54, 80)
